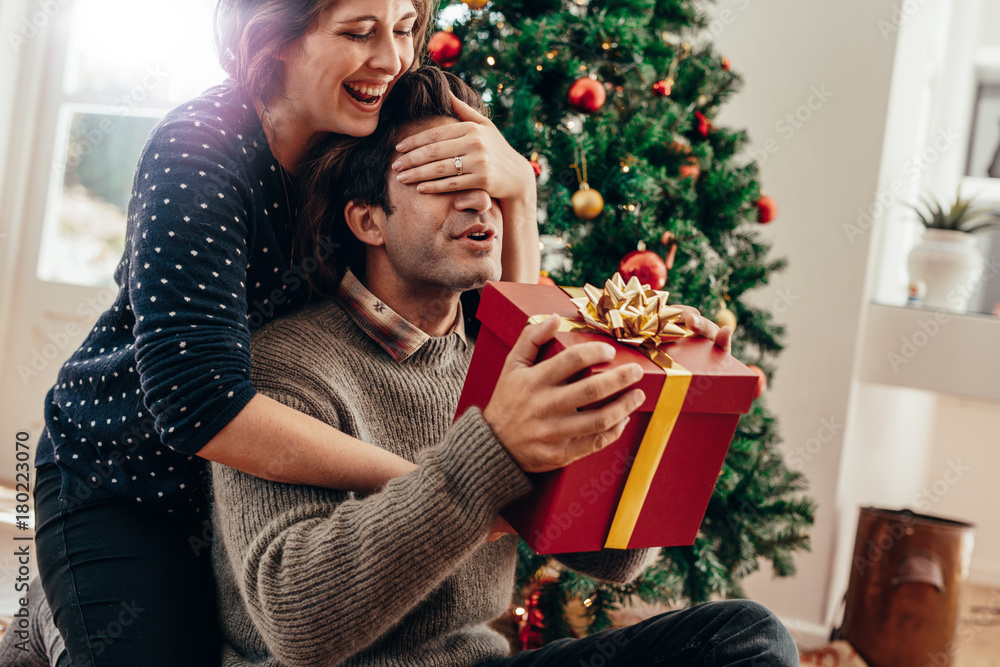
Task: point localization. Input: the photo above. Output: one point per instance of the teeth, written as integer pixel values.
(372, 91)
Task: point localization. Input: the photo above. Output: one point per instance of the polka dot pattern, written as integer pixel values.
(167, 365)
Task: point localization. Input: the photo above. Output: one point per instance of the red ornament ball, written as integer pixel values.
(691, 169)
(645, 265)
(444, 48)
(536, 167)
(544, 279)
(532, 622)
(704, 125)
(587, 95)
(663, 87)
(767, 209)
(761, 380)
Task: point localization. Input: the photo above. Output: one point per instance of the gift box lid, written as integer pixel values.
(720, 383)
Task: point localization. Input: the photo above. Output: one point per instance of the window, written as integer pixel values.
(127, 64)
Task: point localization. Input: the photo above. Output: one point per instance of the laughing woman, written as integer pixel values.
(161, 385)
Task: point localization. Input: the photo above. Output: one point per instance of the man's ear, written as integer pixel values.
(367, 223)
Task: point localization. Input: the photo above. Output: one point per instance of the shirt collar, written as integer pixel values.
(391, 331)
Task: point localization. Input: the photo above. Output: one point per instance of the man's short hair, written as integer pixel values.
(343, 169)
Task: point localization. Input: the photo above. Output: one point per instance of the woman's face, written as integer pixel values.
(338, 73)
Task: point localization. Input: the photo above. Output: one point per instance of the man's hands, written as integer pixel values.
(721, 336)
(534, 413)
(499, 529)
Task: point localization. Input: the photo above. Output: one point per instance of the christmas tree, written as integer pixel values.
(613, 101)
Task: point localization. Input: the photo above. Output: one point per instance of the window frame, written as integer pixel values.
(48, 123)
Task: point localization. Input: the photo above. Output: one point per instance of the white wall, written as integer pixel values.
(966, 440)
(988, 32)
(821, 173)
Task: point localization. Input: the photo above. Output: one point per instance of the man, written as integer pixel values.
(406, 576)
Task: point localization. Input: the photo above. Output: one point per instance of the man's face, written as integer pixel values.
(450, 240)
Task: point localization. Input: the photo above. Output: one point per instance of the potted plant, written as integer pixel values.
(946, 259)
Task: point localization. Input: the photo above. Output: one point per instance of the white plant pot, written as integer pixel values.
(949, 263)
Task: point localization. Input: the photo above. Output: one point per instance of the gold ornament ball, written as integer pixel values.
(475, 4)
(725, 318)
(587, 202)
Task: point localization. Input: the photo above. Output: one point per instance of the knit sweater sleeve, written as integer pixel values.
(324, 574)
(617, 566)
(187, 270)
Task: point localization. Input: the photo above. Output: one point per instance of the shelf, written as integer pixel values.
(987, 62)
(930, 349)
(985, 190)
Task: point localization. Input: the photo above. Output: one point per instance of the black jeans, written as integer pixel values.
(733, 632)
(127, 586)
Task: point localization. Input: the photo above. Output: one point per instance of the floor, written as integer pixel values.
(978, 634)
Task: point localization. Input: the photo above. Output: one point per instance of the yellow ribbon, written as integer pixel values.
(638, 316)
(647, 459)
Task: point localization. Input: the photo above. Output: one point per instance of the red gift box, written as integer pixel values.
(574, 508)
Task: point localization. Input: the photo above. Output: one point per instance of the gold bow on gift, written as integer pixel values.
(632, 313)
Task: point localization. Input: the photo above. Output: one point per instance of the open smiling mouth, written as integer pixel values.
(369, 95)
(480, 236)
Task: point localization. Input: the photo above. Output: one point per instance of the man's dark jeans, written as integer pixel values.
(733, 632)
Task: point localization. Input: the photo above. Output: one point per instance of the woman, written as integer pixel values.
(162, 382)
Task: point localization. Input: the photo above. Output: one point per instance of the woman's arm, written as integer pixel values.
(270, 440)
(521, 258)
(188, 268)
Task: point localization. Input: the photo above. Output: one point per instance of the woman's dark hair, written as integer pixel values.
(342, 169)
(251, 34)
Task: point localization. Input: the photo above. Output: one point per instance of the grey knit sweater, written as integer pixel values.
(311, 576)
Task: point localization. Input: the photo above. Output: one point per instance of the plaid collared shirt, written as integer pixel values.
(385, 326)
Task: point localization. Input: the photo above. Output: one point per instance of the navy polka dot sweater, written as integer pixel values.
(168, 364)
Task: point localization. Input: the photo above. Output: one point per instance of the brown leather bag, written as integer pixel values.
(903, 597)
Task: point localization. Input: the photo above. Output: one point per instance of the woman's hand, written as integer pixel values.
(488, 162)
(721, 336)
